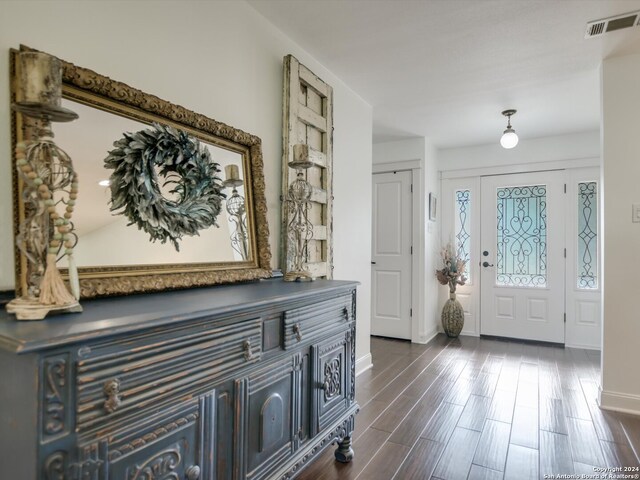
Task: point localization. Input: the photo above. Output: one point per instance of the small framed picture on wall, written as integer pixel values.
(432, 207)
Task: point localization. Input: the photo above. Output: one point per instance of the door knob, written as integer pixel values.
(487, 264)
(193, 472)
(373, 263)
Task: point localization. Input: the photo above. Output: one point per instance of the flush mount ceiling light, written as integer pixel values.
(509, 138)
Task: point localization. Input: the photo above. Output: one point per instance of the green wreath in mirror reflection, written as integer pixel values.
(186, 168)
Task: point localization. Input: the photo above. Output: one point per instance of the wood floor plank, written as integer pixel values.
(363, 395)
(421, 460)
(575, 404)
(455, 461)
(618, 455)
(631, 426)
(508, 379)
(412, 426)
(524, 428)
(522, 463)
(583, 469)
(443, 422)
(474, 413)
(493, 364)
(386, 462)
(502, 404)
(393, 416)
(527, 395)
(608, 424)
(568, 377)
(420, 385)
(485, 384)
(481, 473)
(460, 392)
(530, 354)
(367, 415)
(549, 385)
(405, 378)
(555, 454)
(493, 445)
(453, 369)
(381, 381)
(552, 417)
(585, 445)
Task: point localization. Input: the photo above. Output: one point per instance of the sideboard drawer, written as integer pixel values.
(312, 322)
(113, 380)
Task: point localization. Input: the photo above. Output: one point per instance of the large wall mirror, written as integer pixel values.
(115, 257)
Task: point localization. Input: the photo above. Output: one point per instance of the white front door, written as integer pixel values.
(522, 256)
(391, 255)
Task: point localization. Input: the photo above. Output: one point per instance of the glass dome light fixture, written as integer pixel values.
(509, 138)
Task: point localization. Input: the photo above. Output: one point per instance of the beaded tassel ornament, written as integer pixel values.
(44, 155)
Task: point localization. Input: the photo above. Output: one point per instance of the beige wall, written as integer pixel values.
(221, 59)
(621, 257)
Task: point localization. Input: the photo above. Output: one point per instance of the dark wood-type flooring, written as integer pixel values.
(474, 408)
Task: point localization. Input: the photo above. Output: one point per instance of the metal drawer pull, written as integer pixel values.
(297, 331)
(193, 472)
(248, 354)
(111, 390)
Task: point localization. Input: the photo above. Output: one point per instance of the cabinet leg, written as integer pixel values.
(344, 452)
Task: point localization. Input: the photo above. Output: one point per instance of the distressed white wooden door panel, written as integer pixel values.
(308, 120)
(523, 272)
(391, 255)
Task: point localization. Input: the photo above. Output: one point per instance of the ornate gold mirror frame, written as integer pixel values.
(98, 91)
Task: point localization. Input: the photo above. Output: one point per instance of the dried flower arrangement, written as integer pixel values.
(452, 273)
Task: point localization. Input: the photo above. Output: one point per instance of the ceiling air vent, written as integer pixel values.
(600, 27)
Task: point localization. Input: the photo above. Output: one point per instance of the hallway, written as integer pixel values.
(481, 409)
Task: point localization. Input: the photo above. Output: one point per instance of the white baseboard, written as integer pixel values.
(469, 333)
(426, 337)
(363, 364)
(583, 347)
(619, 402)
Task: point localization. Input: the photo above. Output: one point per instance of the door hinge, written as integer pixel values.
(565, 253)
(565, 318)
(411, 250)
(411, 312)
(565, 188)
(412, 188)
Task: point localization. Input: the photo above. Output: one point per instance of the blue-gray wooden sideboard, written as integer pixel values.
(246, 381)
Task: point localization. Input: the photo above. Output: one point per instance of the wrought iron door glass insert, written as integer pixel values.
(521, 250)
(462, 228)
(587, 235)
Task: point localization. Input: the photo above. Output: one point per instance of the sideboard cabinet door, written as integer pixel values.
(334, 375)
(267, 401)
(169, 446)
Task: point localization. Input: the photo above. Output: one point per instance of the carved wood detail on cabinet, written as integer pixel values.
(254, 388)
(56, 395)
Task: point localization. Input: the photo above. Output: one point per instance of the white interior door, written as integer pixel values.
(522, 256)
(391, 255)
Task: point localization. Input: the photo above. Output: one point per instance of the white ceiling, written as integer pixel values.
(446, 69)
